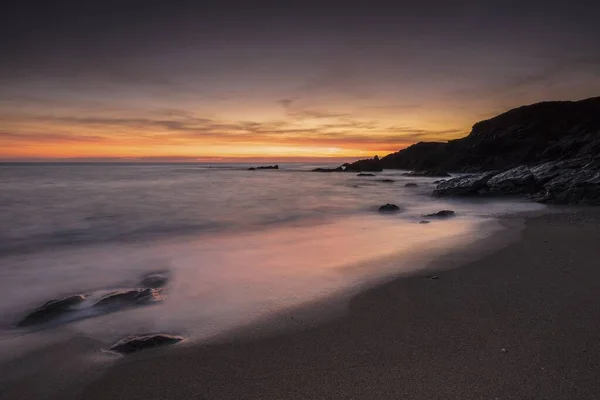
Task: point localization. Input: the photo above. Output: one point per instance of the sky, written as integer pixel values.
(227, 80)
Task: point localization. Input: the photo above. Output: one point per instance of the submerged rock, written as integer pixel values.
(51, 310)
(363, 174)
(442, 214)
(388, 208)
(463, 185)
(135, 343)
(411, 185)
(155, 280)
(388, 181)
(130, 297)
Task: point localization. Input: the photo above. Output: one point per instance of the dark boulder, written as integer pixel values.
(463, 185)
(424, 222)
(363, 174)
(387, 181)
(389, 208)
(135, 343)
(155, 280)
(129, 297)
(251, 169)
(411, 185)
(442, 214)
(51, 310)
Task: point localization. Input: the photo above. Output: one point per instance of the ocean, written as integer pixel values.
(238, 245)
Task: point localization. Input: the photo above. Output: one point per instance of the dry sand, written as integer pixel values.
(416, 338)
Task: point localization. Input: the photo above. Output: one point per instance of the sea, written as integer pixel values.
(237, 245)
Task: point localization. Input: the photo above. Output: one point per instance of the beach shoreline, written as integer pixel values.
(408, 337)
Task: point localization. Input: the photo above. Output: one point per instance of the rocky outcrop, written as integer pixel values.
(517, 180)
(529, 135)
(135, 343)
(369, 165)
(338, 169)
(562, 182)
(389, 208)
(464, 185)
(51, 310)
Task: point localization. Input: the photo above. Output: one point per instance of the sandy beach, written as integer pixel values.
(520, 323)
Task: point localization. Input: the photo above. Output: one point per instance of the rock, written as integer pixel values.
(442, 214)
(433, 277)
(370, 165)
(130, 297)
(573, 187)
(51, 310)
(439, 181)
(516, 180)
(424, 222)
(463, 185)
(363, 174)
(528, 135)
(155, 280)
(411, 185)
(264, 167)
(389, 208)
(135, 343)
(387, 181)
(504, 350)
(338, 169)
(428, 173)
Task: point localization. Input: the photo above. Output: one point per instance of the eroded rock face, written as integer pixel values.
(141, 342)
(51, 310)
(389, 208)
(573, 187)
(127, 297)
(463, 185)
(441, 214)
(514, 181)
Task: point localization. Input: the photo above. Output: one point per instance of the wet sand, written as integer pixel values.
(414, 337)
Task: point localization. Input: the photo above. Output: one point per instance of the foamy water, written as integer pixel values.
(239, 245)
